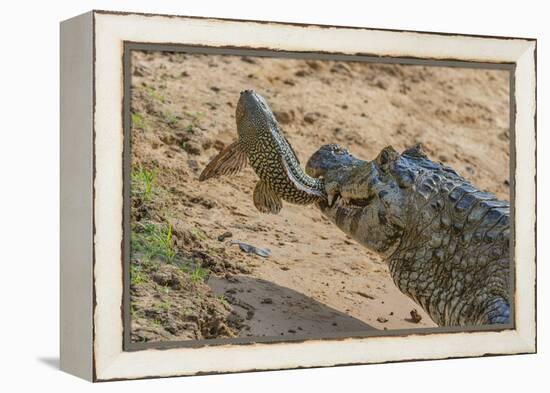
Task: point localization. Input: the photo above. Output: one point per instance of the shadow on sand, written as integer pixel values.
(271, 310)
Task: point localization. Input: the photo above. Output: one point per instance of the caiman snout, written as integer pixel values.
(329, 157)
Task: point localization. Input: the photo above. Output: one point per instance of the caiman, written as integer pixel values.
(262, 143)
(446, 242)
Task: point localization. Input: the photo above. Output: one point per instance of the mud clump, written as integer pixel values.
(311, 117)
(285, 117)
(170, 305)
(224, 236)
(415, 316)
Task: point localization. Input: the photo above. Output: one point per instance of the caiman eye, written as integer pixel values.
(387, 155)
(337, 150)
(416, 151)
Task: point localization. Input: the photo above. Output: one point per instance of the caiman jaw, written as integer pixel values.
(327, 159)
(334, 195)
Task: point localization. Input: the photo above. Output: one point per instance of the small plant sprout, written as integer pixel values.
(199, 274)
(166, 305)
(138, 121)
(198, 234)
(155, 95)
(153, 241)
(143, 182)
(171, 120)
(157, 322)
(136, 275)
(222, 299)
(170, 251)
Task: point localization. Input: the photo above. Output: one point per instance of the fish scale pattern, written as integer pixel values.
(271, 155)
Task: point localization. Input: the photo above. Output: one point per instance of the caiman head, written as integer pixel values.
(254, 116)
(366, 199)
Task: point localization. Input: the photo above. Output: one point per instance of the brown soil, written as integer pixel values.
(316, 280)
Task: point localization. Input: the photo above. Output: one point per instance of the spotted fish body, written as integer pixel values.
(445, 241)
(264, 146)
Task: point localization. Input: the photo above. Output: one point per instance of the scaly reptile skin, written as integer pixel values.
(445, 241)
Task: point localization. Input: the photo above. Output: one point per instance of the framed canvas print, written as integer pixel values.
(245, 195)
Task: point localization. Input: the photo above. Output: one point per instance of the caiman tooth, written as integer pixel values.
(331, 198)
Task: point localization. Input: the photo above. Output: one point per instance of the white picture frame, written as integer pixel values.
(92, 193)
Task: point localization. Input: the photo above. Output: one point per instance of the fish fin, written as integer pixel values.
(265, 199)
(228, 162)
